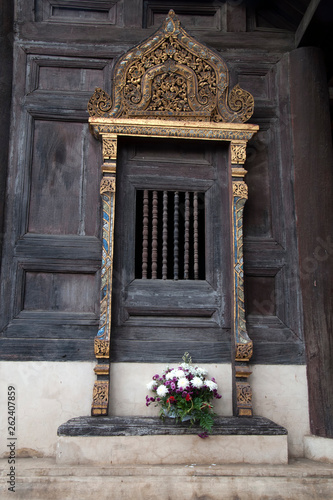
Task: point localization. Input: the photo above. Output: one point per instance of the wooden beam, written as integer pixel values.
(306, 19)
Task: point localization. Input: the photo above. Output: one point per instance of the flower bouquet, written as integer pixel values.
(185, 394)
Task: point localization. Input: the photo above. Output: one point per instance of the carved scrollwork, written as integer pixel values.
(99, 104)
(102, 348)
(109, 149)
(244, 394)
(238, 153)
(172, 76)
(108, 184)
(239, 189)
(241, 102)
(100, 401)
(244, 351)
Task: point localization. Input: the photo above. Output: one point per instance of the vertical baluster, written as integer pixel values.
(187, 235)
(195, 235)
(165, 237)
(154, 237)
(145, 234)
(175, 235)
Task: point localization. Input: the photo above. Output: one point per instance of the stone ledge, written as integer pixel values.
(318, 448)
(146, 426)
(171, 449)
(45, 479)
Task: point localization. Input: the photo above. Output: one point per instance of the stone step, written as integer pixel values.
(43, 479)
(152, 441)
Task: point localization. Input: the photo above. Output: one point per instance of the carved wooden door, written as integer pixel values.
(171, 284)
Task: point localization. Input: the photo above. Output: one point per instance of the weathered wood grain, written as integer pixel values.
(149, 426)
(313, 159)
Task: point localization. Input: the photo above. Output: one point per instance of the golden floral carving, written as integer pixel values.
(100, 103)
(241, 102)
(100, 401)
(109, 149)
(239, 189)
(172, 76)
(108, 184)
(244, 394)
(238, 153)
(244, 351)
(102, 348)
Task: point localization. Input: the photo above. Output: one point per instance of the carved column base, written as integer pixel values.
(244, 352)
(100, 404)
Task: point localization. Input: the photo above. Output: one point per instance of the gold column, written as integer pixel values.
(100, 402)
(243, 344)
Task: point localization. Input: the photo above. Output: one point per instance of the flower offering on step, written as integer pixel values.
(185, 393)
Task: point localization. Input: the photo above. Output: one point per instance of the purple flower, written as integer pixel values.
(173, 386)
(203, 435)
(156, 377)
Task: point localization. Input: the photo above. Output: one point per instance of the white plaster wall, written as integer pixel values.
(128, 387)
(50, 393)
(280, 393)
(47, 395)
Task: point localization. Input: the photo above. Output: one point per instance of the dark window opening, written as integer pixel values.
(170, 235)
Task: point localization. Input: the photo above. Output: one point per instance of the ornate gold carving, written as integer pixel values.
(102, 348)
(238, 153)
(109, 148)
(100, 103)
(108, 184)
(171, 86)
(172, 76)
(244, 351)
(240, 189)
(100, 398)
(155, 128)
(241, 102)
(244, 398)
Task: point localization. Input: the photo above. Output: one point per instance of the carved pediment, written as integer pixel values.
(172, 76)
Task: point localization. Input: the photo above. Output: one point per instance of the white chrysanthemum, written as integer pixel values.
(183, 383)
(178, 373)
(186, 366)
(162, 391)
(200, 371)
(151, 385)
(170, 375)
(197, 382)
(211, 385)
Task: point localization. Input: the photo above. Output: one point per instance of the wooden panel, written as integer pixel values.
(77, 11)
(55, 72)
(199, 17)
(257, 212)
(260, 295)
(64, 183)
(145, 310)
(59, 292)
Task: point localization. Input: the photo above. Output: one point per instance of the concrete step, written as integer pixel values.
(152, 441)
(44, 479)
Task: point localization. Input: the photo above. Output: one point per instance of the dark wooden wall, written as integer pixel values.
(6, 58)
(50, 278)
(51, 252)
(314, 212)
